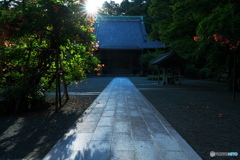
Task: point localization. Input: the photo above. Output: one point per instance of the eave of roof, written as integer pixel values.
(152, 45)
(170, 60)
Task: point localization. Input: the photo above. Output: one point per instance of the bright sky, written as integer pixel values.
(92, 5)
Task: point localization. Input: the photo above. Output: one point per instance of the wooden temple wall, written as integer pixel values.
(120, 61)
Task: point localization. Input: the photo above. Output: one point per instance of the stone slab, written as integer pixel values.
(122, 155)
(146, 150)
(93, 117)
(106, 121)
(122, 141)
(121, 124)
(103, 133)
(99, 150)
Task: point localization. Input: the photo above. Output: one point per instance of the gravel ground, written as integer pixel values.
(202, 112)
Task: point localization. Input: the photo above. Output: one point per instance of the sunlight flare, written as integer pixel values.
(92, 6)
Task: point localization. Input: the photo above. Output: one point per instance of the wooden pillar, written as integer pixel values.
(158, 78)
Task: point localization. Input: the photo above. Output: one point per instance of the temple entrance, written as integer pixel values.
(121, 41)
(121, 61)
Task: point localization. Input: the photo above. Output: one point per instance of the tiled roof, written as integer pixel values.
(152, 44)
(123, 32)
(170, 60)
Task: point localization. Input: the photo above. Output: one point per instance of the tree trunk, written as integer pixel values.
(22, 83)
(235, 74)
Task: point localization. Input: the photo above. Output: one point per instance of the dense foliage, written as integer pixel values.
(147, 59)
(126, 8)
(36, 35)
(204, 32)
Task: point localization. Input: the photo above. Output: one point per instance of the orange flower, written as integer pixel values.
(196, 39)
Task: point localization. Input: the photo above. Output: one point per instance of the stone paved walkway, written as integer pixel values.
(121, 124)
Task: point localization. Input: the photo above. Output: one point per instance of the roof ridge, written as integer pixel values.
(120, 18)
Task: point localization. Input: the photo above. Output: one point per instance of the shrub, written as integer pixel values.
(30, 96)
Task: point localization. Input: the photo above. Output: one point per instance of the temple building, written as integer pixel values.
(122, 39)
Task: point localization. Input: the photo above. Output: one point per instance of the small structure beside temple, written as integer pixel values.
(122, 39)
(170, 62)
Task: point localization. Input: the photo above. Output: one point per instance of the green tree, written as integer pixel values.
(133, 8)
(147, 59)
(220, 30)
(176, 23)
(125, 6)
(37, 36)
(110, 8)
(138, 8)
